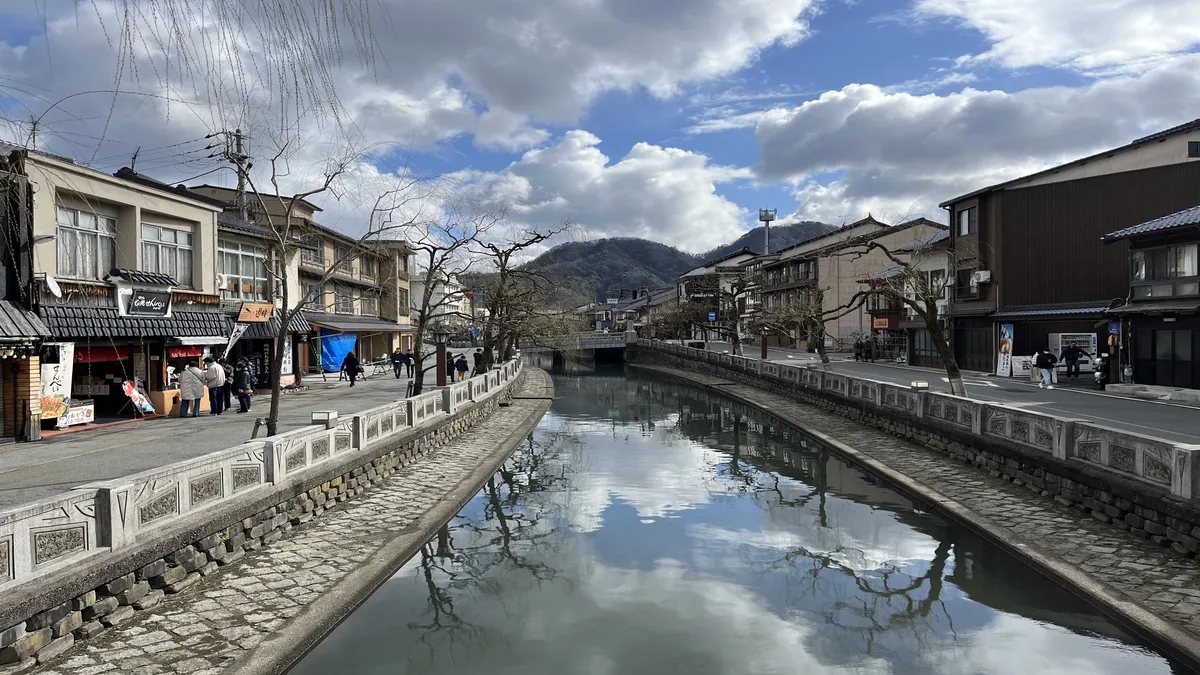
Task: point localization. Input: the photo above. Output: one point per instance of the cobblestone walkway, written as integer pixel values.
(1160, 580)
(205, 629)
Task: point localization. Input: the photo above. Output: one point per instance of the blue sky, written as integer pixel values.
(673, 120)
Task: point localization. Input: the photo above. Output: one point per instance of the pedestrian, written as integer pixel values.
(478, 356)
(1071, 356)
(461, 366)
(869, 351)
(449, 367)
(227, 390)
(191, 389)
(214, 379)
(351, 366)
(858, 349)
(397, 362)
(243, 385)
(1045, 362)
(410, 362)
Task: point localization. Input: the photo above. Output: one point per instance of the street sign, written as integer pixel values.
(1114, 327)
(712, 316)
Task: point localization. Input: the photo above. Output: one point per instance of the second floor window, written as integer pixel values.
(965, 285)
(1173, 262)
(402, 300)
(87, 244)
(314, 296)
(169, 252)
(966, 222)
(368, 267)
(313, 253)
(343, 300)
(341, 256)
(368, 305)
(244, 267)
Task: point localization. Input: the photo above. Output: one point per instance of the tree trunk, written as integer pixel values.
(938, 336)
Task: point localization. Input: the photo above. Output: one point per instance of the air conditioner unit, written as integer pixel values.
(982, 276)
(221, 281)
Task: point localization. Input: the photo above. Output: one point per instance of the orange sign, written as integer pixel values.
(255, 312)
(879, 323)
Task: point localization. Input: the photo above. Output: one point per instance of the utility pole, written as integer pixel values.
(765, 216)
(240, 161)
(133, 160)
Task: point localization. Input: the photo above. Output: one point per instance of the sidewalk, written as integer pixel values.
(32, 471)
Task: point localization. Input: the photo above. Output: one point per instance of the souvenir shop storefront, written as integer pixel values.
(122, 362)
(21, 333)
(257, 342)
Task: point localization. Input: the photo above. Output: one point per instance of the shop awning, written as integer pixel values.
(16, 322)
(1051, 311)
(106, 322)
(200, 341)
(1158, 307)
(268, 330)
(353, 323)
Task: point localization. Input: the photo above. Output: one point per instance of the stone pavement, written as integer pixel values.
(32, 471)
(210, 626)
(1160, 580)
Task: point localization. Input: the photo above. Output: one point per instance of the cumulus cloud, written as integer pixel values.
(1101, 36)
(658, 193)
(864, 148)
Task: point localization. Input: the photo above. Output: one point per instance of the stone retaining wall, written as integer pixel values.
(1133, 482)
(73, 566)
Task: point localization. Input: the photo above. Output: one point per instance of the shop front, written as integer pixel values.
(21, 333)
(257, 341)
(336, 335)
(1163, 342)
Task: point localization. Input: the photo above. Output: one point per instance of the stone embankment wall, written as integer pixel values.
(1133, 482)
(74, 566)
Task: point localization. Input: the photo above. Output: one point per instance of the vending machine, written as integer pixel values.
(1085, 341)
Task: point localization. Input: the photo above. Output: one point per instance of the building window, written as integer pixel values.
(87, 244)
(314, 295)
(169, 252)
(402, 300)
(368, 267)
(965, 285)
(1173, 262)
(244, 267)
(341, 257)
(1193, 148)
(343, 300)
(368, 305)
(937, 283)
(967, 222)
(313, 253)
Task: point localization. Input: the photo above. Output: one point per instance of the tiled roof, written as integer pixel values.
(1042, 310)
(227, 223)
(353, 322)
(101, 323)
(925, 242)
(126, 173)
(18, 322)
(1185, 218)
(140, 277)
(890, 273)
(270, 329)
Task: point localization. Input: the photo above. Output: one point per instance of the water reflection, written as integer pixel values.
(649, 527)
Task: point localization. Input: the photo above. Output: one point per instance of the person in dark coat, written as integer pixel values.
(227, 392)
(351, 366)
(1071, 356)
(461, 366)
(243, 384)
(858, 349)
(410, 362)
(869, 350)
(478, 356)
(450, 367)
(1045, 362)
(397, 362)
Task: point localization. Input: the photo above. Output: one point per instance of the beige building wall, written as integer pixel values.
(1164, 152)
(63, 183)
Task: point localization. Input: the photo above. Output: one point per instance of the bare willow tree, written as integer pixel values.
(722, 295)
(805, 316)
(392, 212)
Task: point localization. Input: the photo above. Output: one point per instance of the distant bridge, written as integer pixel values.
(578, 341)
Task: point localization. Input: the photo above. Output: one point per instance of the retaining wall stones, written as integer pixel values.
(73, 566)
(1132, 482)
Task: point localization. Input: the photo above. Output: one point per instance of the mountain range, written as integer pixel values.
(603, 268)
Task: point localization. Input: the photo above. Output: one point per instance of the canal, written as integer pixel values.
(653, 527)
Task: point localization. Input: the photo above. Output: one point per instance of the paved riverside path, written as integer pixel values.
(32, 471)
(1170, 421)
(1166, 584)
(287, 586)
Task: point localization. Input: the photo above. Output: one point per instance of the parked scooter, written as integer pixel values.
(1100, 371)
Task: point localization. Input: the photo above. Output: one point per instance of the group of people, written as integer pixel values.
(1045, 361)
(403, 363)
(222, 382)
(864, 350)
(458, 364)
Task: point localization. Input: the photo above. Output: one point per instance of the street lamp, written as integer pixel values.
(764, 332)
(441, 336)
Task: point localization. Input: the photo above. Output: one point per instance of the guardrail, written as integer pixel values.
(54, 534)
(1163, 464)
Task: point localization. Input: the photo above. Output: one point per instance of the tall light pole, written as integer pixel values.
(441, 337)
(765, 216)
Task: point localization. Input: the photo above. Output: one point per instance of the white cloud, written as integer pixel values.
(658, 193)
(1088, 36)
(862, 148)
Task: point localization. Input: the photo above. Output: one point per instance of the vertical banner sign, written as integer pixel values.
(1004, 363)
(285, 368)
(239, 329)
(55, 393)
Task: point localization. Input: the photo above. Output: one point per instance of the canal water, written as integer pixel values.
(649, 527)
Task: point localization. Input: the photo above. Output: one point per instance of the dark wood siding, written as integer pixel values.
(1052, 251)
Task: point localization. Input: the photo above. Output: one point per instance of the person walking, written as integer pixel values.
(397, 362)
(858, 349)
(351, 366)
(227, 390)
(214, 379)
(478, 356)
(191, 389)
(869, 351)
(449, 367)
(461, 366)
(243, 384)
(1045, 362)
(1071, 356)
(410, 362)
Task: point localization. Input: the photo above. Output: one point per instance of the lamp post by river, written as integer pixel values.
(764, 332)
(441, 337)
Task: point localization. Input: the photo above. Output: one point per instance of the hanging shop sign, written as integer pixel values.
(55, 391)
(149, 303)
(239, 329)
(184, 352)
(101, 354)
(880, 323)
(285, 368)
(255, 312)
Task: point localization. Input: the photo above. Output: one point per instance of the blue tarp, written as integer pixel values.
(334, 347)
